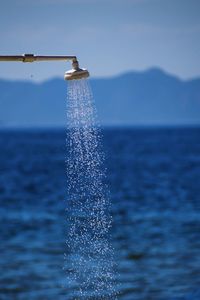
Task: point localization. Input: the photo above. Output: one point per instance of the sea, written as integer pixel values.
(153, 175)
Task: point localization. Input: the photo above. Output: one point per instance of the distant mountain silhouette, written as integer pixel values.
(151, 97)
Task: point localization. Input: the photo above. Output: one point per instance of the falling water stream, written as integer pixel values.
(89, 255)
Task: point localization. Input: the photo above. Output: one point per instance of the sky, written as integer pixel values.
(109, 37)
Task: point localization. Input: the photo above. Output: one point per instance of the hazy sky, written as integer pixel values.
(108, 36)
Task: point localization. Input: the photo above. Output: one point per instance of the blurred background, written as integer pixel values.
(145, 77)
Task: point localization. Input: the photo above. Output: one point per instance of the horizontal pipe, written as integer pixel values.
(11, 58)
(32, 57)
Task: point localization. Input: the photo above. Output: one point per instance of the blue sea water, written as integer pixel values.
(154, 180)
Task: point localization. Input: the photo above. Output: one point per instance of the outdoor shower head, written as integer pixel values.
(76, 72)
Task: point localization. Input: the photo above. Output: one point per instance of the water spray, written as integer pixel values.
(75, 73)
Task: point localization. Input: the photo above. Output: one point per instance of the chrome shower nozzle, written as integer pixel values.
(76, 72)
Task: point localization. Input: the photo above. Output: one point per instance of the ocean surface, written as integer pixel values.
(154, 180)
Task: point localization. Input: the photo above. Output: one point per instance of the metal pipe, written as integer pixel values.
(32, 57)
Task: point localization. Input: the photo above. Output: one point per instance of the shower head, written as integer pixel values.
(76, 72)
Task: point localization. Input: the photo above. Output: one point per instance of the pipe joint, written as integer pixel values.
(28, 58)
(75, 64)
